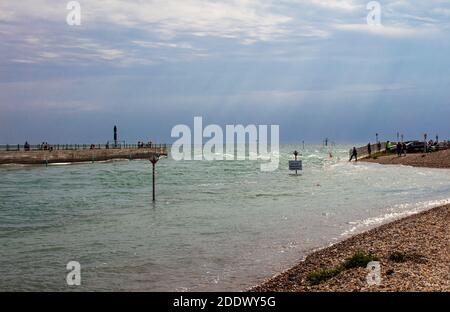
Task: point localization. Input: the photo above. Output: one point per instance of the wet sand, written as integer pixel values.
(440, 159)
(423, 239)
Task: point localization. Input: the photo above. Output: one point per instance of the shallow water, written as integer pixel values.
(221, 225)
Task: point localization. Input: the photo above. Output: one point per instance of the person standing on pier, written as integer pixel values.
(388, 147)
(354, 154)
(399, 149)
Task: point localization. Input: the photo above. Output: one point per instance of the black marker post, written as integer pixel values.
(295, 155)
(154, 159)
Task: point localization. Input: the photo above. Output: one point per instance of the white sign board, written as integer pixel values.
(295, 165)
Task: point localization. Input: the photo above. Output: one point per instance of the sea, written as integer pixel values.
(215, 225)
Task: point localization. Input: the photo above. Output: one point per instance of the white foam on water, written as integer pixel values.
(15, 165)
(60, 164)
(394, 215)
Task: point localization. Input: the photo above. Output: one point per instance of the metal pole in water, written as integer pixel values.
(295, 154)
(153, 181)
(154, 159)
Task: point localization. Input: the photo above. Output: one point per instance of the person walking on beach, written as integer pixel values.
(354, 154)
(399, 149)
(369, 149)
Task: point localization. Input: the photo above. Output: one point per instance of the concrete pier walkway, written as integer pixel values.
(82, 155)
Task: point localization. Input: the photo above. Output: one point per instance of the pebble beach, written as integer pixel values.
(440, 159)
(423, 240)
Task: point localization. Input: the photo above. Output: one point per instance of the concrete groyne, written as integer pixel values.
(363, 151)
(72, 156)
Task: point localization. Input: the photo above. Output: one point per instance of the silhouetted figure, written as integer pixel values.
(369, 149)
(354, 154)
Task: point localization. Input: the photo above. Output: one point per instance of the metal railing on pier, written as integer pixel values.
(74, 147)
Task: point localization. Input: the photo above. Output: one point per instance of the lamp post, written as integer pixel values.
(154, 159)
(115, 136)
(425, 142)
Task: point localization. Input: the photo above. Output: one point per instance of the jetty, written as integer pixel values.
(73, 153)
(363, 151)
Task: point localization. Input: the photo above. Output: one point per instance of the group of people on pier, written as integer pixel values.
(400, 148)
(44, 146)
(142, 144)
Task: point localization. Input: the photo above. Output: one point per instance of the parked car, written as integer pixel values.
(441, 146)
(415, 146)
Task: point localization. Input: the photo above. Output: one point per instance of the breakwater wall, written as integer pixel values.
(82, 155)
(363, 151)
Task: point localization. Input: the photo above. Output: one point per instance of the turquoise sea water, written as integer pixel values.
(221, 225)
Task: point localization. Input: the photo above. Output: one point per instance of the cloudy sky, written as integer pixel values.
(314, 67)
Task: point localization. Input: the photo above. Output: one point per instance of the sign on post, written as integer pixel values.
(295, 165)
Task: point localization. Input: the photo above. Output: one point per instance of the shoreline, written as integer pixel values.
(422, 239)
(439, 159)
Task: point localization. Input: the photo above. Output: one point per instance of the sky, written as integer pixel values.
(315, 68)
